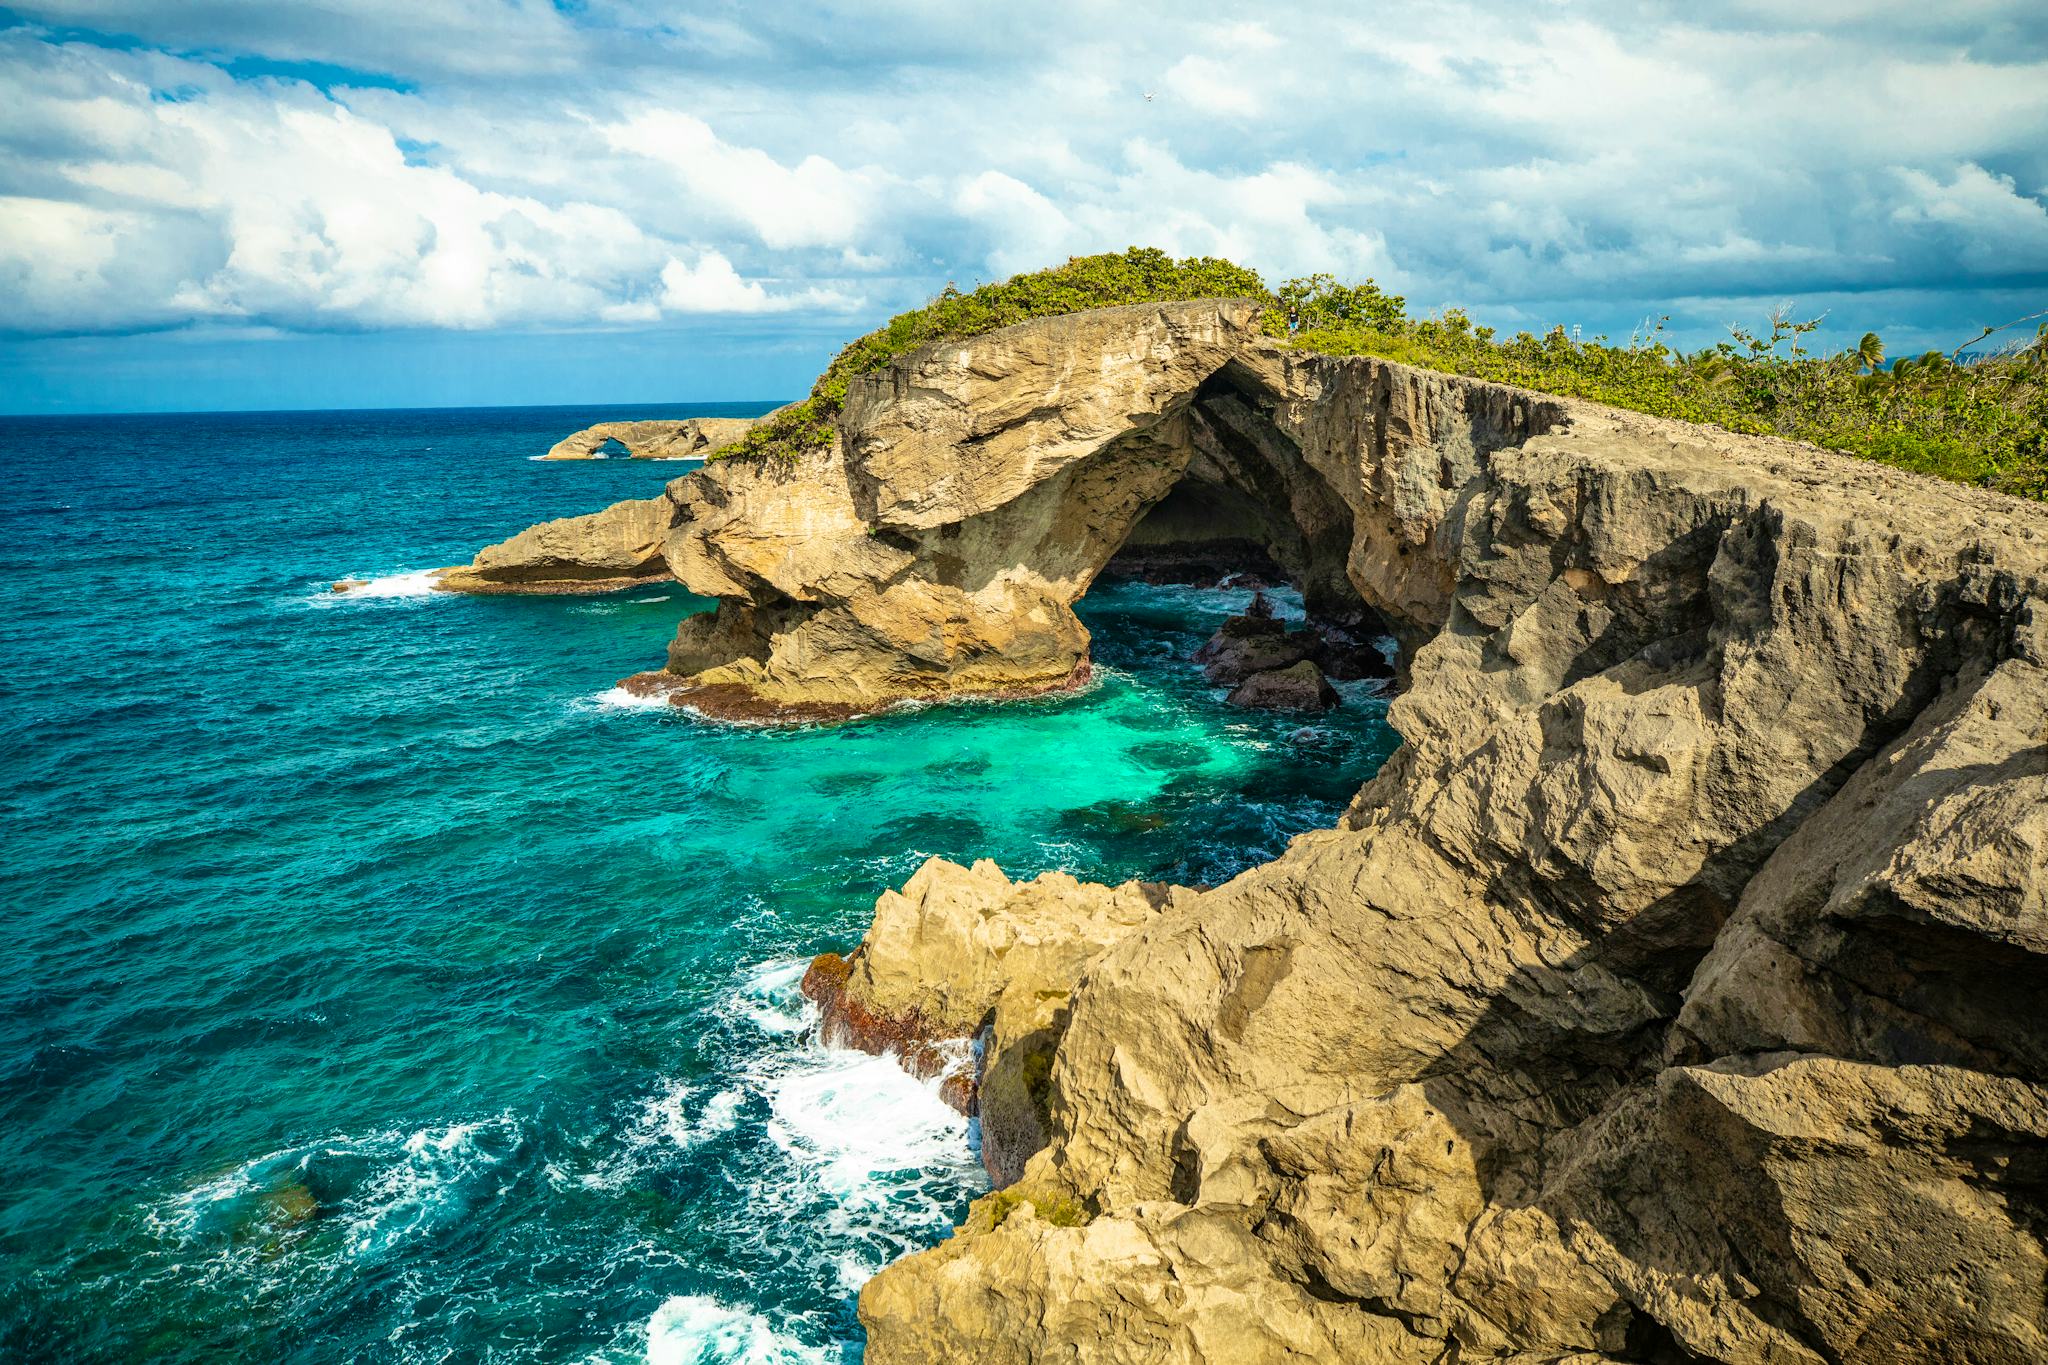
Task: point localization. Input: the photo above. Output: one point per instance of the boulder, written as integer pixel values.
(962, 953)
(1244, 645)
(1298, 687)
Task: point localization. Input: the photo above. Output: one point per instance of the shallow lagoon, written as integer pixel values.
(377, 987)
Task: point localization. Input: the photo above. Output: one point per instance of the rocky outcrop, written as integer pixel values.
(620, 547)
(688, 438)
(1300, 686)
(935, 548)
(964, 975)
(1677, 990)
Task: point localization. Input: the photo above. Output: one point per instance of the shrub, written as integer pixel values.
(1060, 1210)
(1981, 421)
(1973, 421)
(1135, 275)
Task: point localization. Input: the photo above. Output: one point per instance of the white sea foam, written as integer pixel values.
(398, 1183)
(419, 583)
(770, 998)
(429, 1182)
(693, 1329)
(855, 1120)
(619, 699)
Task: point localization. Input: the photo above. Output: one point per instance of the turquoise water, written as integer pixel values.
(374, 988)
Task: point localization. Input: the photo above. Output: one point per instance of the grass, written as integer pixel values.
(1962, 415)
(1062, 1211)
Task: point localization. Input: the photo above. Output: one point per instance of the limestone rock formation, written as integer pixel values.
(1679, 990)
(680, 439)
(619, 547)
(964, 953)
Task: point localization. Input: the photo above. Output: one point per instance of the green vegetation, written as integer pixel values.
(1137, 275)
(1980, 421)
(1961, 415)
(1062, 1211)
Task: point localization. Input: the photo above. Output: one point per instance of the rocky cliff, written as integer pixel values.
(681, 439)
(1678, 991)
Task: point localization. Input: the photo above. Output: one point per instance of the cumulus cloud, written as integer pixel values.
(711, 285)
(476, 164)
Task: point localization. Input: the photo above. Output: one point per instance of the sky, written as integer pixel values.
(238, 204)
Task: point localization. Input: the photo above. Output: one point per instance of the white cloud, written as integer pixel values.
(813, 203)
(713, 286)
(603, 164)
(1213, 86)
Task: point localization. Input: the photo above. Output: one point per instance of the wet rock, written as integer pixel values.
(1299, 687)
(961, 951)
(1348, 658)
(1245, 645)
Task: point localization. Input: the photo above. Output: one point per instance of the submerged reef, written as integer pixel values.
(1678, 991)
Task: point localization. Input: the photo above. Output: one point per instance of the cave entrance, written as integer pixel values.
(1251, 511)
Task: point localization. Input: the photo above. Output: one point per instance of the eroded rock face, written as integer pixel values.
(963, 954)
(935, 549)
(681, 439)
(620, 547)
(1677, 991)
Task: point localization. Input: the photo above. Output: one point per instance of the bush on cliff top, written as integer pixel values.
(1981, 421)
(1975, 420)
(1136, 275)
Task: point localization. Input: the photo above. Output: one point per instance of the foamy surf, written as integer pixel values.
(382, 1188)
(694, 1329)
(854, 1121)
(770, 998)
(418, 583)
(619, 699)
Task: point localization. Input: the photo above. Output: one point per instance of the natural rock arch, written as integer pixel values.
(1676, 988)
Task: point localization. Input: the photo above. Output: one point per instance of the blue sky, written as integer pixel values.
(243, 203)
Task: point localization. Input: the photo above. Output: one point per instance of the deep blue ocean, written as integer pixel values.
(374, 988)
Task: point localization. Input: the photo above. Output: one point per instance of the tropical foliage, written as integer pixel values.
(1978, 414)
(1974, 420)
(1138, 275)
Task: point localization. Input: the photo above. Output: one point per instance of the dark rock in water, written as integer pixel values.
(1252, 644)
(1300, 687)
(1244, 628)
(1348, 659)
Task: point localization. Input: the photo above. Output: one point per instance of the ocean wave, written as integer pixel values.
(665, 1124)
(694, 1329)
(889, 1161)
(619, 699)
(416, 585)
(769, 997)
(381, 1189)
